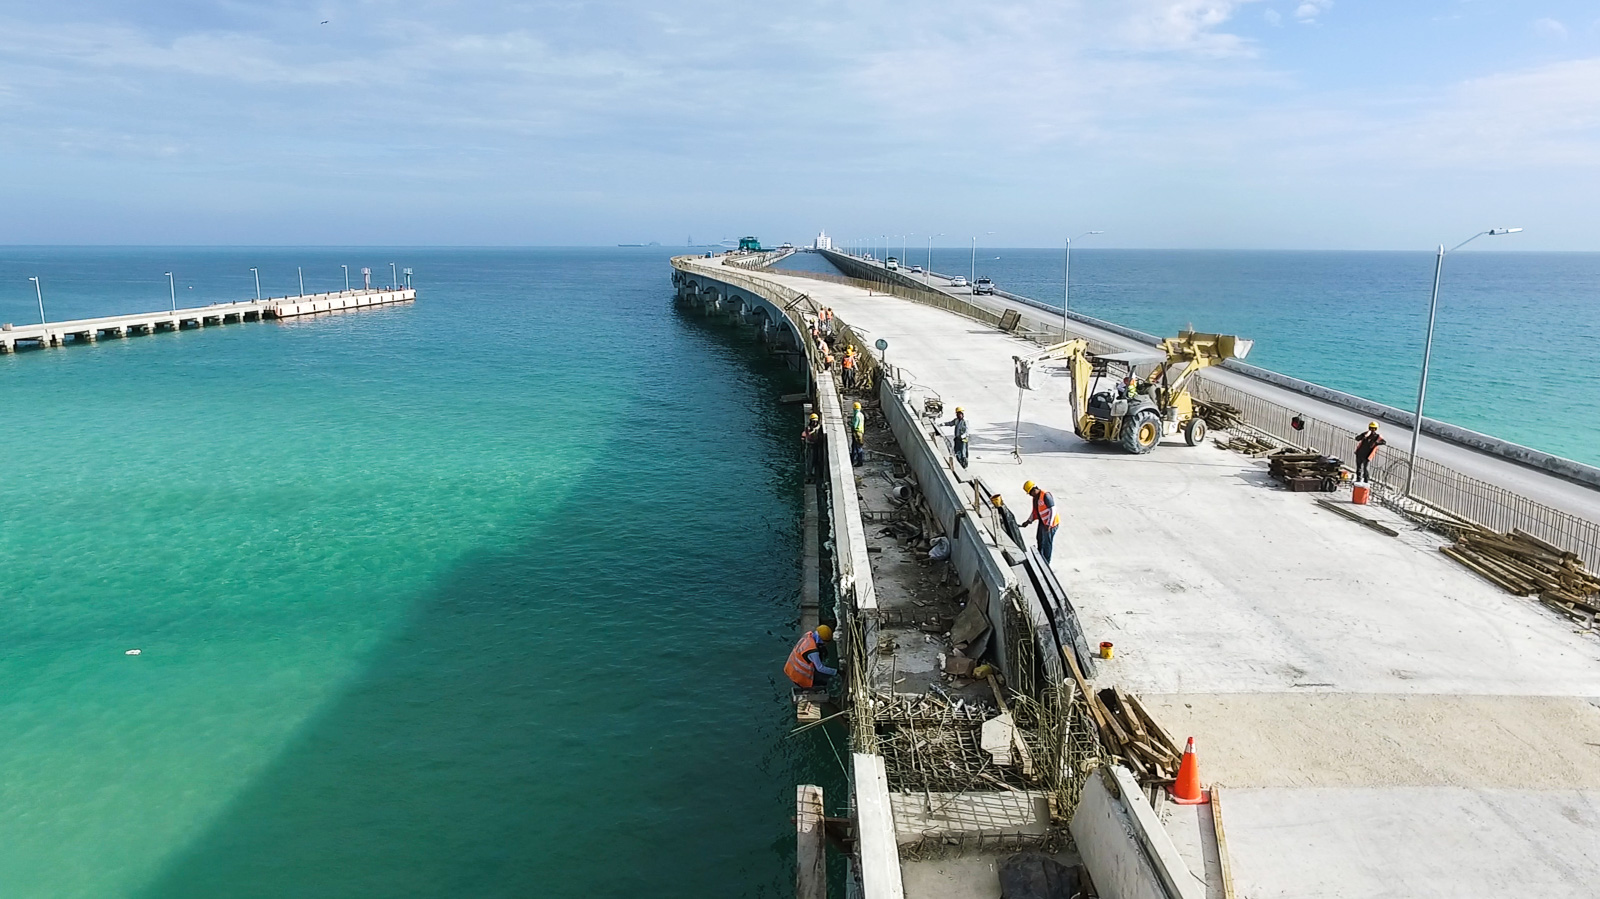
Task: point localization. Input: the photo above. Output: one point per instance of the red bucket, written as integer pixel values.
(1359, 494)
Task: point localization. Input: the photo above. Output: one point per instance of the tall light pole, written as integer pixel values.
(301, 272)
(257, 273)
(346, 278)
(1066, 279)
(40, 291)
(172, 286)
(927, 273)
(1427, 347)
(974, 273)
(394, 277)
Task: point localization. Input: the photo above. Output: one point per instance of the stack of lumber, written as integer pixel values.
(1219, 416)
(1249, 445)
(1133, 737)
(1304, 472)
(1524, 565)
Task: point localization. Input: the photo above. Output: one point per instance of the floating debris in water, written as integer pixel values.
(133, 652)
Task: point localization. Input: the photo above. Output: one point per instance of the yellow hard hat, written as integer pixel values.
(1027, 486)
(961, 409)
(1372, 425)
(813, 416)
(858, 405)
(825, 632)
(997, 499)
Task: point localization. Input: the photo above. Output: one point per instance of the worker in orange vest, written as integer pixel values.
(1044, 512)
(805, 666)
(850, 368)
(1366, 447)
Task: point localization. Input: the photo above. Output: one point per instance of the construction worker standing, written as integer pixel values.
(850, 368)
(858, 436)
(805, 666)
(812, 438)
(1044, 512)
(1366, 447)
(958, 440)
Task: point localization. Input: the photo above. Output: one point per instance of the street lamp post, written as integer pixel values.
(1427, 346)
(257, 273)
(40, 291)
(394, 277)
(927, 273)
(1066, 279)
(346, 278)
(301, 272)
(172, 286)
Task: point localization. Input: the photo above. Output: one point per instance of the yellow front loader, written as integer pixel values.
(1131, 411)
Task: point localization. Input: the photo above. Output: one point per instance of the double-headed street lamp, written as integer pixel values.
(172, 287)
(40, 291)
(1427, 347)
(1066, 279)
(258, 282)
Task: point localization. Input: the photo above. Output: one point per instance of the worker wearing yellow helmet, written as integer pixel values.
(858, 436)
(958, 438)
(1366, 447)
(806, 666)
(811, 436)
(850, 363)
(1044, 512)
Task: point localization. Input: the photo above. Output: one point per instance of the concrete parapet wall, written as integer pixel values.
(1124, 846)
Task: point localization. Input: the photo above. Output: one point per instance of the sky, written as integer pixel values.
(1322, 124)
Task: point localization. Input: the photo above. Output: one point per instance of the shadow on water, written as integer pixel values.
(592, 710)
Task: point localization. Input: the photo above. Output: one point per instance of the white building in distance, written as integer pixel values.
(823, 242)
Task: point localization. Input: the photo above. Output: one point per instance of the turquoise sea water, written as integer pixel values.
(482, 596)
(1514, 329)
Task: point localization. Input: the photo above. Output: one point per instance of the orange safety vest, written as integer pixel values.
(1046, 515)
(799, 668)
(849, 362)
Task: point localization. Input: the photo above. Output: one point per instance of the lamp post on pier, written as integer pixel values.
(927, 273)
(346, 278)
(394, 277)
(40, 292)
(1427, 346)
(172, 287)
(257, 273)
(302, 273)
(1066, 279)
(973, 279)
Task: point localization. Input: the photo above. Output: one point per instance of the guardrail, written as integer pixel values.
(1434, 485)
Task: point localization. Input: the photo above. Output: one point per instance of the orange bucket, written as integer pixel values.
(1359, 494)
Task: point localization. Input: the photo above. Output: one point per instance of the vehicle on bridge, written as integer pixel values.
(1134, 412)
(750, 243)
(916, 270)
(958, 281)
(892, 264)
(983, 285)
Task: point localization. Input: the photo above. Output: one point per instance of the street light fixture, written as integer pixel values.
(172, 286)
(346, 278)
(1066, 279)
(302, 273)
(257, 273)
(394, 277)
(1427, 347)
(974, 272)
(40, 291)
(927, 273)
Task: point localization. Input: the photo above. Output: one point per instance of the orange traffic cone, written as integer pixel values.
(1186, 791)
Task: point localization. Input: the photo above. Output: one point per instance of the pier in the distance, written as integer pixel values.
(90, 330)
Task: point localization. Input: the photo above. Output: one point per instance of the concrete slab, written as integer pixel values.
(1416, 842)
(997, 814)
(972, 876)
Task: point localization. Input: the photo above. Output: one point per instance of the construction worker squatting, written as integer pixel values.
(806, 666)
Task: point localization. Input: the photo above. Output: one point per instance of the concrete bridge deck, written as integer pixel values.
(89, 330)
(1385, 722)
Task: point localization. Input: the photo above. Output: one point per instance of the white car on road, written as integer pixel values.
(958, 281)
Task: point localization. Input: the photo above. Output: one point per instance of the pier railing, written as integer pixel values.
(1434, 486)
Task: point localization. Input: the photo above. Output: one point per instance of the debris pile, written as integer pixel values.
(1128, 732)
(1524, 565)
(1306, 472)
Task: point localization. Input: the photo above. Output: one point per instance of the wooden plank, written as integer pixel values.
(1139, 733)
(1496, 579)
(1359, 519)
(1224, 863)
(811, 855)
(1156, 730)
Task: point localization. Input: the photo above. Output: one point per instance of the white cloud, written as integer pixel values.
(1273, 17)
(1550, 28)
(1308, 11)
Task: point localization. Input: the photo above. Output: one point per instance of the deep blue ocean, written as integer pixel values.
(1516, 349)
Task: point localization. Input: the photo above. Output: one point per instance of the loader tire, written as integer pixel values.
(1142, 432)
(1194, 433)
